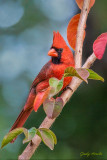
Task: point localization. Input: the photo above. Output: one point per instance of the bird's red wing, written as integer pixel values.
(40, 98)
(45, 73)
(40, 84)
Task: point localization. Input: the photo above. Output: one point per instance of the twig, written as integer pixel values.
(66, 95)
(80, 33)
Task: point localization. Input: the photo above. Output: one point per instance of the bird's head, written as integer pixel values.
(59, 50)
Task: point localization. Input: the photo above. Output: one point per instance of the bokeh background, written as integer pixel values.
(26, 32)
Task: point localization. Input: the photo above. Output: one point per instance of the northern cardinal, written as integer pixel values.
(61, 58)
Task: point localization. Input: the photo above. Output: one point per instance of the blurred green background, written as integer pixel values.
(26, 32)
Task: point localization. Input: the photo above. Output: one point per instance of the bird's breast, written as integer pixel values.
(58, 71)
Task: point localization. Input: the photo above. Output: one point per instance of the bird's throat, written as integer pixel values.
(56, 60)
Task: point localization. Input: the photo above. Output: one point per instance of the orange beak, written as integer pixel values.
(52, 53)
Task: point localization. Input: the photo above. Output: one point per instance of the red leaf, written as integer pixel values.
(80, 3)
(40, 98)
(99, 45)
(72, 30)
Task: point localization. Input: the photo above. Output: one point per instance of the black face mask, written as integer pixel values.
(57, 60)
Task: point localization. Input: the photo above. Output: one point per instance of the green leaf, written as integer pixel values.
(30, 134)
(56, 85)
(53, 135)
(53, 82)
(53, 107)
(94, 75)
(60, 84)
(11, 135)
(48, 137)
(81, 73)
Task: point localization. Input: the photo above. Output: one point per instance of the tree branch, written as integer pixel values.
(80, 33)
(66, 95)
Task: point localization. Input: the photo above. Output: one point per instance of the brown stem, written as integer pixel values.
(80, 33)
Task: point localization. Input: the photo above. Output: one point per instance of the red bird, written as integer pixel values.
(61, 58)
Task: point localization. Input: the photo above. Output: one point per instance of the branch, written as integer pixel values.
(31, 147)
(80, 33)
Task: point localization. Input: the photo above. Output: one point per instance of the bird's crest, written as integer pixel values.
(58, 40)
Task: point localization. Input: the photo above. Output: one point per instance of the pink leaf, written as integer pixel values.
(99, 45)
(53, 107)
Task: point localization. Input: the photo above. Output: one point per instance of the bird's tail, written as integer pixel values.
(23, 116)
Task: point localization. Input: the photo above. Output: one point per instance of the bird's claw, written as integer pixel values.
(68, 87)
(31, 143)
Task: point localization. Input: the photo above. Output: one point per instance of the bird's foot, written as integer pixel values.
(31, 143)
